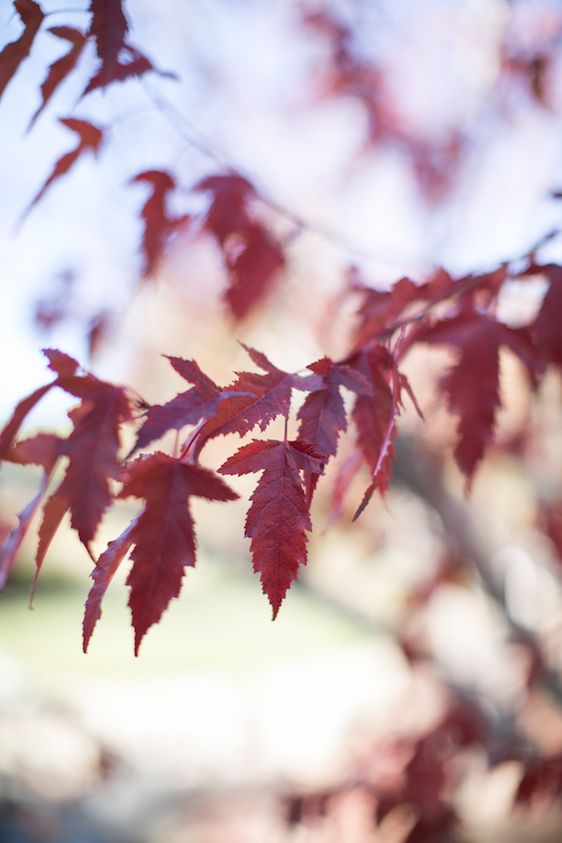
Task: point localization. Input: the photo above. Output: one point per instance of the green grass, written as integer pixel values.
(221, 621)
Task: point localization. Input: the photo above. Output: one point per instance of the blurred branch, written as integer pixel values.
(422, 472)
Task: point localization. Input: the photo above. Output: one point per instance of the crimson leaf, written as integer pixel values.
(109, 29)
(159, 226)
(251, 255)
(60, 69)
(322, 415)
(189, 407)
(92, 450)
(263, 398)
(16, 51)
(91, 139)
(472, 385)
(163, 536)
(278, 518)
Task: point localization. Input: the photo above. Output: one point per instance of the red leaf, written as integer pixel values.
(14, 53)
(137, 64)
(262, 399)
(54, 511)
(159, 226)
(92, 450)
(379, 310)
(60, 69)
(109, 29)
(91, 138)
(60, 363)
(252, 257)
(375, 415)
(43, 450)
(63, 366)
(322, 415)
(186, 408)
(162, 534)
(252, 263)
(471, 386)
(102, 575)
(278, 518)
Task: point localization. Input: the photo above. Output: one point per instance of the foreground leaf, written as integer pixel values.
(186, 408)
(163, 535)
(278, 519)
(258, 399)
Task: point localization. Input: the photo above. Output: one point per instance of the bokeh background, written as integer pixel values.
(409, 689)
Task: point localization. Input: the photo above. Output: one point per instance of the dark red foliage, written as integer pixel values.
(162, 535)
(478, 339)
(189, 407)
(109, 28)
(42, 450)
(90, 140)
(61, 68)
(252, 257)
(14, 53)
(133, 65)
(92, 451)
(375, 415)
(257, 399)
(278, 519)
(159, 225)
(322, 415)
(363, 390)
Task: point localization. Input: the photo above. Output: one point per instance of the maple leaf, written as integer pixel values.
(60, 69)
(278, 518)
(159, 226)
(472, 385)
(109, 29)
(380, 309)
(63, 366)
(252, 257)
(322, 415)
(375, 416)
(91, 139)
(137, 64)
(16, 51)
(259, 399)
(43, 450)
(189, 407)
(103, 573)
(163, 536)
(92, 450)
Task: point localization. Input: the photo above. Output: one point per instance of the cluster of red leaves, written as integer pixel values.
(458, 314)
(253, 257)
(108, 30)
